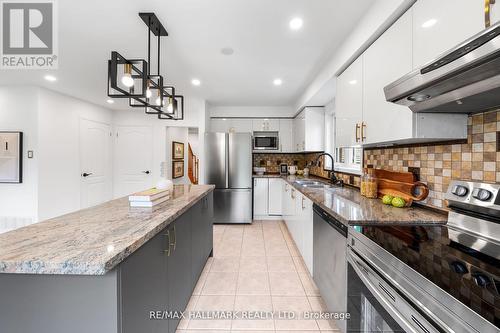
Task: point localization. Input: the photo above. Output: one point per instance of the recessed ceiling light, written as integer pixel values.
(50, 78)
(278, 82)
(110, 101)
(429, 23)
(227, 51)
(195, 82)
(224, 119)
(296, 23)
(353, 82)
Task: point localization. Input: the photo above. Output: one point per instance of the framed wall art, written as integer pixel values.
(177, 169)
(11, 157)
(177, 150)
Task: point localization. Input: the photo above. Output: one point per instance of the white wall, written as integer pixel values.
(378, 18)
(59, 151)
(18, 112)
(195, 116)
(178, 134)
(251, 111)
(194, 141)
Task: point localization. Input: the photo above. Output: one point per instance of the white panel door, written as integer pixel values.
(133, 160)
(260, 196)
(275, 204)
(349, 104)
(440, 25)
(385, 61)
(95, 163)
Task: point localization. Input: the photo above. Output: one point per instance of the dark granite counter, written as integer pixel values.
(347, 205)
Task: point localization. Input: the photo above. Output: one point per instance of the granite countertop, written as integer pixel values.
(267, 175)
(91, 241)
(347, 205)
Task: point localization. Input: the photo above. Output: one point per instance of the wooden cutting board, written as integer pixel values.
(410, 192)
(405, 177)
(400, 184)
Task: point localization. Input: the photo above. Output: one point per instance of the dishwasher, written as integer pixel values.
(330, 261)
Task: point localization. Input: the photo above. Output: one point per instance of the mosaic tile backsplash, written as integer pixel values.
(478, 159)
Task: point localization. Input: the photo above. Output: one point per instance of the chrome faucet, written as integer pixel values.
(331, 173)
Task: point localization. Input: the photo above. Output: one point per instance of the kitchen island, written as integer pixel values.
(106, 268)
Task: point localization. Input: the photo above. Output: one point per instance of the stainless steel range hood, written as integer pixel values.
(465, 79)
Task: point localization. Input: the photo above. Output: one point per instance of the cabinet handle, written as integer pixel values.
(174, 244)
(303, 207)
(357, 132)
(487, 12)
(293, 193)
(363, 128)
(167, 251)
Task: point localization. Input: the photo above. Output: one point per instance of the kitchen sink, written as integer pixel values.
(312, 184)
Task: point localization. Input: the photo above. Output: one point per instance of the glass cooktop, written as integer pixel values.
(468, 275)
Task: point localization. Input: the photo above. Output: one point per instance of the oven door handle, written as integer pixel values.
(385, 297)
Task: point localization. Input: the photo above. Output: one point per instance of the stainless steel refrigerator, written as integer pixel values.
(229, 168)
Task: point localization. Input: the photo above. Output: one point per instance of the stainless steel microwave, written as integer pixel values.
(265, 140)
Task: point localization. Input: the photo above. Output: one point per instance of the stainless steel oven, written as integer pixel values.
(265, 140)
(385, 294)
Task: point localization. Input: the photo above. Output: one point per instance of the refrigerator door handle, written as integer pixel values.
(227, 160)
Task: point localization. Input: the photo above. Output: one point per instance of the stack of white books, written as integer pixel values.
(149, 198)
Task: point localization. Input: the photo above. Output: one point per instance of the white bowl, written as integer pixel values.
(259, 170)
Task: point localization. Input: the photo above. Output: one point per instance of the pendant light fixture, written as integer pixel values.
(132, 79)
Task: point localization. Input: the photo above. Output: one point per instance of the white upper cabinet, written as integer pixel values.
(349, 105)
(241, 125)
(286, 135)
(309, 130)
(266, 125)
(389, 58)
(495, 13)
(440, 25)
(299, 128)
(314, 131)
(219, 125)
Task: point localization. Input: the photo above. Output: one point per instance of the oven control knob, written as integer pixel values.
(460, 190)
(459, 267)
(481, 280)
(481, 194)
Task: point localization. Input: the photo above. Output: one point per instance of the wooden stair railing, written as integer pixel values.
(193, 166)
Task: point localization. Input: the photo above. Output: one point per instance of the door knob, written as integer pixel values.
(85, 174)
(147, 172)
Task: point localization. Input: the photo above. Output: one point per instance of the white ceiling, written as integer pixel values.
(264, 46)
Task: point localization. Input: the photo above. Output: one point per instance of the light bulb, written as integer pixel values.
(158, 101)
(148, 93)
(170, 107)
(127, 79)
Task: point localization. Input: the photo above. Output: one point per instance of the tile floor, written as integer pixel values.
(255, 268)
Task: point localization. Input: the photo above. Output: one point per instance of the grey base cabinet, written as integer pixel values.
(158, 278)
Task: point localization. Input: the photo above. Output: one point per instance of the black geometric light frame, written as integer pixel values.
(144, 89)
